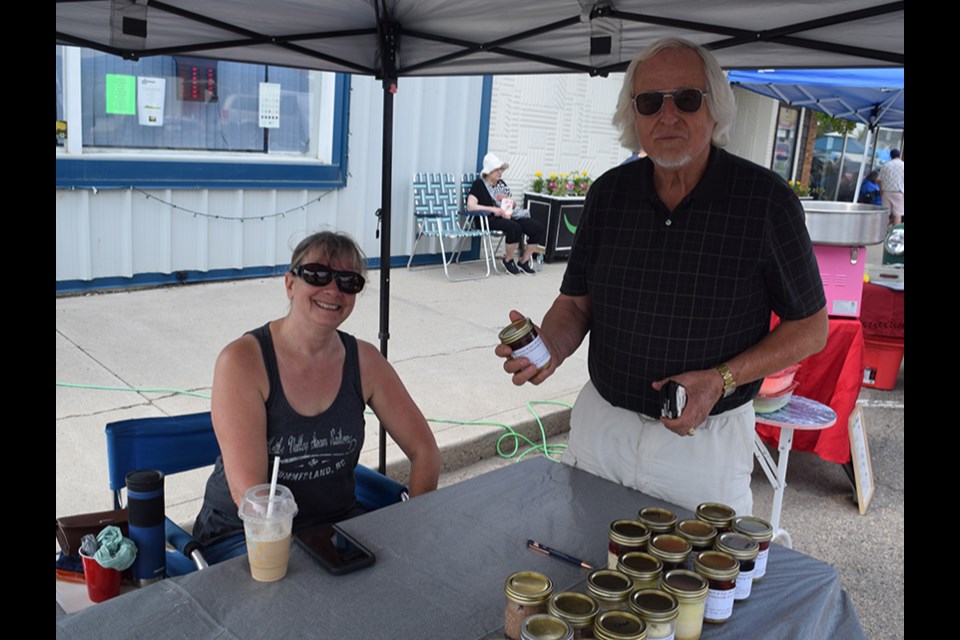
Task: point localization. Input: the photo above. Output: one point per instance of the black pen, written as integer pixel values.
(547, 551)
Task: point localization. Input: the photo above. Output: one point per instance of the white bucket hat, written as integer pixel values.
(491, 163)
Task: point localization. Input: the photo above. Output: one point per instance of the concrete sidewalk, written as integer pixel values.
(442, 337)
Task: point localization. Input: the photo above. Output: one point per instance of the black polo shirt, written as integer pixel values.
(687, 290)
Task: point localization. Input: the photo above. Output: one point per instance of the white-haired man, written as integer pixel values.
(678, 261)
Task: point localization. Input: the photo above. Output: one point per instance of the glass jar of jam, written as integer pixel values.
(577, 610)
(610, 589)
(644, 569)
(670, 549)
(658, 609)
(721, 571)
(699, 534)
(719, 515)
(527, 593)
(690, 590)
(657, 519)
(619, 625)
(761, 531)
(745, 549)
(521, 336)
(544, 626)
(625, 536)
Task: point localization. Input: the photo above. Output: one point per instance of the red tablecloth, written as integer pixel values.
(832, 377)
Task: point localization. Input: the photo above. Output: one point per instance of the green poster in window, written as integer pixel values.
(121, 94)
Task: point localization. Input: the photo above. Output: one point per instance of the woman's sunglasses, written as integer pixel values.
(320, 275)
(650, 103)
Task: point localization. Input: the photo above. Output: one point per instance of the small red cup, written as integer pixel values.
(102, 583)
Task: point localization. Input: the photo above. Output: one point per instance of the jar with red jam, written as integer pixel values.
(745, 549)
(761, 531)
(670, 549)
(521, 336)
(625, 536)
(721, 571)
(657, 519)
(527, 593)
(719, 515)
(699, 534)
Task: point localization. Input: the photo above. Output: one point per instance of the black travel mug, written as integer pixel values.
(145, 516)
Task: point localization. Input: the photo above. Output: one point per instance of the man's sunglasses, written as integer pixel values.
(650, 103)
(320, 275)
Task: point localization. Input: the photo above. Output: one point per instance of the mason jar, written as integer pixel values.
(717, 514)
(721, 571)
(659, 610)
(699, 534)
(761, 531)
(745, 549)
(670, 549)
(690, 589)
(527, 593)
(619, 625)
(644, 569)
(544, 626)
(577, 610)
(625, 536)
(657, 519)
(609, 588)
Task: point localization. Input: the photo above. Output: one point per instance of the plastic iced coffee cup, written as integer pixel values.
(268, 529)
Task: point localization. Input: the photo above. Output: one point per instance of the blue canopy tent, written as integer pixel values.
(873, 97)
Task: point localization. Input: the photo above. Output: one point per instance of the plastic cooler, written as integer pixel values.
(841, 269)
(881, 361)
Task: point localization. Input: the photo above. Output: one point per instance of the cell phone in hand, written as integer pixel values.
(336, 550)
(673, 398)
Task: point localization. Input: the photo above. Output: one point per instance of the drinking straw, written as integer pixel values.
(273, 485)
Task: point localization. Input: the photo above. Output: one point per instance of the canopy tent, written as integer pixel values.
(393, 38)
(873, 97)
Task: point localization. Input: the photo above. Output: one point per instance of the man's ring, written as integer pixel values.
(691, 432)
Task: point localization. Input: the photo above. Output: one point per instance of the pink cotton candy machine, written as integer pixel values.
(840, 232)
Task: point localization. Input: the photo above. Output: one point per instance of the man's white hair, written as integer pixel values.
(720, 100)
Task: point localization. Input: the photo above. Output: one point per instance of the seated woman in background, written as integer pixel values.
(297, 388)
(490, 193)
(870, 190)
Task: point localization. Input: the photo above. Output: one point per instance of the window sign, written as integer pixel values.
(269, 105)
(121, 94)
(150, 93)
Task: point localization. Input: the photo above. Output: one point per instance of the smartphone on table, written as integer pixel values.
(336, 550)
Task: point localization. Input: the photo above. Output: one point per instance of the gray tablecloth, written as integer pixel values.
(441, 563)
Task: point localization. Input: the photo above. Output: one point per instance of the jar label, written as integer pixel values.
(536, 352)
(744, 584)
(719, 605)
(760, 569)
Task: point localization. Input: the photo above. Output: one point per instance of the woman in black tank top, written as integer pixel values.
(297, 388)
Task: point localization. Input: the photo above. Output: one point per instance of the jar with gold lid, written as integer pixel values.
(625, 536)
(721, 571)
(745, 549)
(521, 336)
(619, 625)
(658, 609)
(699, 534)
(719, 515)
(690, 589)
(544, 626)
(761, 531)
(671, 550)
(609, 588)
(577, 610)
(644, 569)
(657, 519)
(527, 593)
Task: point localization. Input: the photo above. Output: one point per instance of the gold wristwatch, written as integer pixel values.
(729, 384)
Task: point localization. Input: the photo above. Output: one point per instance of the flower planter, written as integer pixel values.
(560, 215)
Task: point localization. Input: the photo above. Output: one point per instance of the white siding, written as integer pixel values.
(554, 124)
(111, 233)
(754, 130)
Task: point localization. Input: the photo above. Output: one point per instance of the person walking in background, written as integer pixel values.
(870, 190)
(891, 186)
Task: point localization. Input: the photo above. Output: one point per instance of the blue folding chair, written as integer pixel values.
(180, 443)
